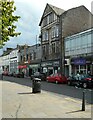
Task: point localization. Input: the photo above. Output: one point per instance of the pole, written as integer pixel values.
(83, 101)
(36, 41)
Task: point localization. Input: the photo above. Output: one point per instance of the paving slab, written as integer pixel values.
(18, 101)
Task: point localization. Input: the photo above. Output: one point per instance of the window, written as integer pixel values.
(84, 40)
(54, 16)
(34, 55)
(67, 45)
(48, 19)
(53, 48)
(45, 21)
(45, 35)
(55, 31)
(44, 49)
(89, 39)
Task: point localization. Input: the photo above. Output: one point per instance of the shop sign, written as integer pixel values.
(46, 64)
(56, 63)
(33, 66)
(50, 68)
(80, 61)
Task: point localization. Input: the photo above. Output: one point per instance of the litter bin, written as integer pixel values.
(36, 85)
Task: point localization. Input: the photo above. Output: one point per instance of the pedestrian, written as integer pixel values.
(77, 78)
(78, 75)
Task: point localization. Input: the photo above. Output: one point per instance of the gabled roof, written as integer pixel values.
(57, 11)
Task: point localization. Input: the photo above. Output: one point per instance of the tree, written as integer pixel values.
(7, 20)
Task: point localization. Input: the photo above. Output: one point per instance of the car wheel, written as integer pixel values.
(69, 83)
(84, 85)
(56, 82)
(47, 80)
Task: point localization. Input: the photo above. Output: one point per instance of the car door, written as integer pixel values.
(51, 78)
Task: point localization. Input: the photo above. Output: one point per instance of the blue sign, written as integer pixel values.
(80, 61)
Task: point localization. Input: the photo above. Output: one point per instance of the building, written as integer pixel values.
(56, 24)
(73, 21)
(5, 58)
(1, 62)
(30, 59)
(14, 61)
(50, 38)
(79, 51)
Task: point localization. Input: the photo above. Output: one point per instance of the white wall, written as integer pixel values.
(1, 70)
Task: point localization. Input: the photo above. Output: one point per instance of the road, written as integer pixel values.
(58, 89)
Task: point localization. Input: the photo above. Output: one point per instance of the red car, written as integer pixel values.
(5, 73)
(57, 78)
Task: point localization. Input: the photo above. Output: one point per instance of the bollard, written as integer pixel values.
(83, 101)
(2, 76)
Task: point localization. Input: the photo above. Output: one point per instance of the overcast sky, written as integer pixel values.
(31, 12)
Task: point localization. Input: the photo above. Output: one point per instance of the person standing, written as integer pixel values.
(78, 75)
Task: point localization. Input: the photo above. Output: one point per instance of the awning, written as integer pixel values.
(22, 66)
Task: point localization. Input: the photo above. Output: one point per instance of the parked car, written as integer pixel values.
(85, 81)
(57, 78)
(5, 73)
(19, 75)
(42, 76)
(10, 74)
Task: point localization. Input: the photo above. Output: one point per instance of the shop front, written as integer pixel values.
(33, 68)
(81, 64)
(22, 68)
(50, 67)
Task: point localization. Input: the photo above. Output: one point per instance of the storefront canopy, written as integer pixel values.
(22, 66)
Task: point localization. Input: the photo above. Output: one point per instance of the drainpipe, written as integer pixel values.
(62, 47)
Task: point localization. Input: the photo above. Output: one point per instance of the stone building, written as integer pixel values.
(63, 24)
(50, 38)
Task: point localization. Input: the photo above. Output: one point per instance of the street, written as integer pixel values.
(59, 89)
(18, 101)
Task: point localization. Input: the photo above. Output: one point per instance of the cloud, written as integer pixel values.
(28, 25)
(31, 12)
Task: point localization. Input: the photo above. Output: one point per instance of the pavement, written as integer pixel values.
(18, 101)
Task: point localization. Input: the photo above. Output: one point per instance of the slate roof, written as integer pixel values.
(57, 10)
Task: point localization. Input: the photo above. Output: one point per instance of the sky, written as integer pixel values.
(31, 12)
